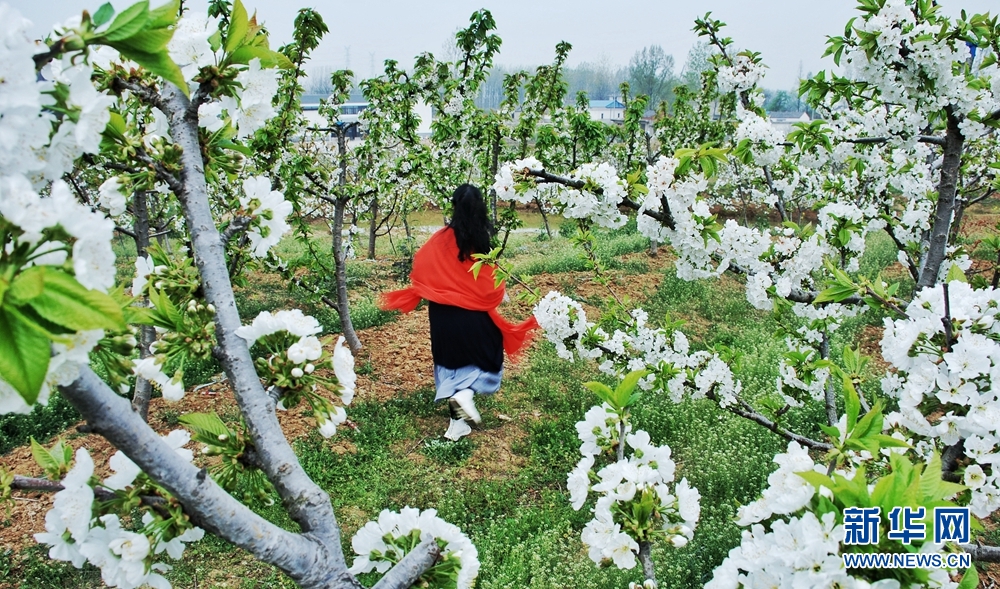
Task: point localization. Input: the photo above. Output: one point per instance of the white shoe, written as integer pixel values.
(467, 405)
(457, 429)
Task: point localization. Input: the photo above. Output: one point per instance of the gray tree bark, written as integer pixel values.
(372, 228)
(954, 142)
(646, 558)
(340, 262)
(147, 335)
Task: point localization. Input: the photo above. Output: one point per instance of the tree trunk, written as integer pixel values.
(343, 307)
(830, 396)
(646, 558)
(409, 236)
(372, 227)
(147, 335)
(954, 142)
(956, 224)
(545, 218)
(494, 166)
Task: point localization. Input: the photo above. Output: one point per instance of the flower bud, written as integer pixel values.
(309, 368)
(297, 372)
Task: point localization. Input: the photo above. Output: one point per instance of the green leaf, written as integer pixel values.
(129, 22)
(885, 441)
(831, 431)
(24, 354)
(149, 41)
(159, 64)
(165, 308)
(139, 315)
(624, 390)
(238, 25)
(852, 403)
(103, 14)
(115, 130)
(229, 144)
(44, 459)
(165, 15)
(882, 490)
(956, 273)
(970, 580)
(207, 425)
(268, 58)
(601, 390)
(26, 286)
(67, 303)
(932, 487)
(835, 293)
(865, 425)
(816, 479)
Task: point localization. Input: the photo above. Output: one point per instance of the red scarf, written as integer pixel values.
(439, 276)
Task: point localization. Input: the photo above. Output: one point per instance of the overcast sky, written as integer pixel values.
(790, 34)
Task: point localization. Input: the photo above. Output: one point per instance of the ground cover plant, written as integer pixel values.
(825, 302)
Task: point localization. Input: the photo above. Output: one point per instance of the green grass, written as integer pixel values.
(560, 255)
(43, 422)
(518, 515)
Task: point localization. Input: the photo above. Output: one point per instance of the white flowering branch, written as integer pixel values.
(664, 216)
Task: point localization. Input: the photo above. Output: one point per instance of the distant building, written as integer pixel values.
(607, 111)
(782, 120)
(350, 111)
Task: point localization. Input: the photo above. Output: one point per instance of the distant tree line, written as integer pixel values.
(651, 72)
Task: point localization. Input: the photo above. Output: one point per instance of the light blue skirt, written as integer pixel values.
(449, 381)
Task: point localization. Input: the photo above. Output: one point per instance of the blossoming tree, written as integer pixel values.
(899, 151)
(166, 104)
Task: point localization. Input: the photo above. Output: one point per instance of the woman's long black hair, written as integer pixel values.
(470, 222)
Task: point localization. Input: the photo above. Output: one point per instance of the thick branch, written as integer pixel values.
(983, 553)
(307, 504)
(413, 565)
(147, 334)
(124, 231)
(947, 190)
(236, 227)
(779, 201)
(949, 461)
(829, 397)
(208, 504)
(173, 182)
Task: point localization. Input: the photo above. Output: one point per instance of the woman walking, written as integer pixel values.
(468, 335)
